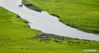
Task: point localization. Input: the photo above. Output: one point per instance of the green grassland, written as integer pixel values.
(81, 14)
(17, 37)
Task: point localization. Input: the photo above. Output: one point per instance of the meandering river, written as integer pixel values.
(44, 22)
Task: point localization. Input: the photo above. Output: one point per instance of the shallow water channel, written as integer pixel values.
(45, 22)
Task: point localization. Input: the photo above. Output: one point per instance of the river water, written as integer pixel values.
(45, 22)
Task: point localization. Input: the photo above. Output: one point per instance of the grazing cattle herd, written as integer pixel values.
(59, 39)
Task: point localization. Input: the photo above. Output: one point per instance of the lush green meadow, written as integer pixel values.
(17, 37)
(81, 14)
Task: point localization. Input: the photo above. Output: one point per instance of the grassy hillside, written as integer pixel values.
(17, 37)
(81, 14)
(13, 31)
